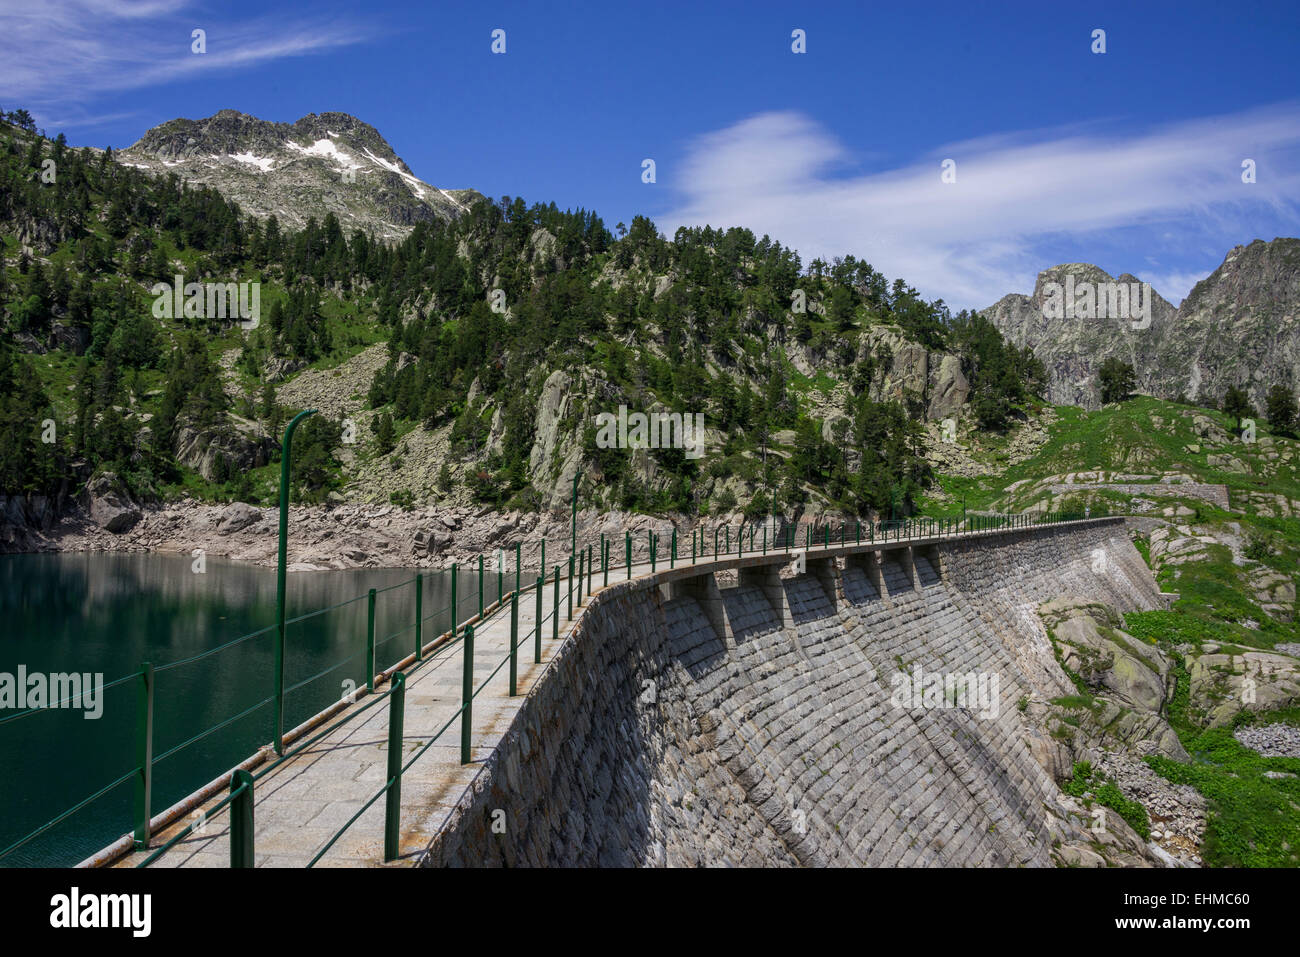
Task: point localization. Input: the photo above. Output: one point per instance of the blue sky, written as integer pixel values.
(1130, 159)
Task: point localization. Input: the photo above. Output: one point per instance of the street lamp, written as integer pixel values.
(286, 452)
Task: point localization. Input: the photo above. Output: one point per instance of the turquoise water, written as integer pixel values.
(108, 613)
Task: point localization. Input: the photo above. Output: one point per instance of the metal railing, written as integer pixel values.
(708, 542)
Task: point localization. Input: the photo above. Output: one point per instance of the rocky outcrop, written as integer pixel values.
(236, 447)
(1132, 683)
(1239, 326)
(1224, 682)
(557, 444)
(109, 505)
(933, 379)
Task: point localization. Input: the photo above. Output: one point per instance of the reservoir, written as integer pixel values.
(108, 613)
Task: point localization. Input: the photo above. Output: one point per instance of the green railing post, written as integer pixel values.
(571, 568)
(715, 543)
(480, 586)
(555, 611)
(672, 555)
(419, 615)
(519, 551)
(604, 558)
(537, 626)
(514, 643)
(628, 546)
(573, 543)
(144, 756)
(286, 454)
(241, 819)
(654, 548)
(501, 574)
(455, 612)
(591, 570)
(370, 640)
(466, 693)
(581, 558)
(764, 538)
(727, 550)
(393, 799)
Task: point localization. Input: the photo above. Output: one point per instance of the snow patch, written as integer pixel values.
(416, 186)
(326, 149)
(261, 162)
(452, 199)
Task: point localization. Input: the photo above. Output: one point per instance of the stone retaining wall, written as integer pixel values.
(667, 733)
(1214, 494)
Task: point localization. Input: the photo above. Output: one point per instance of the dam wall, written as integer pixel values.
(754, 716)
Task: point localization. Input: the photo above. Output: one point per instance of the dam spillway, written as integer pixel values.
(748, 715)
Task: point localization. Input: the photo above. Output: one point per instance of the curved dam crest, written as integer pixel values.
(750, 717)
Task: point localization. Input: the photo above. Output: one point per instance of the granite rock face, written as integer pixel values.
(1238, 326)
(1072, 348)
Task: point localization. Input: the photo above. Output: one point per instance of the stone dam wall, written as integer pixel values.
(749, 717)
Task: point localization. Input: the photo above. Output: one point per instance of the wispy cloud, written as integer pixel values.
(57, 55)
(1016, 197)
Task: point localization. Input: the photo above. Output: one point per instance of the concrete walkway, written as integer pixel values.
(300, 804)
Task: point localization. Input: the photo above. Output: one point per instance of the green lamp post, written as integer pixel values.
(286, 451)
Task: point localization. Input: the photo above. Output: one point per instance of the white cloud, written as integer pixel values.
(972, 241)
(55, 55)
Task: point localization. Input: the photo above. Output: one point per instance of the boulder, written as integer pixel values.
(109, 505)
(236, 517)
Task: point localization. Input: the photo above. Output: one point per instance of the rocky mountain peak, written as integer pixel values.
(1239, 326)
(323, 162)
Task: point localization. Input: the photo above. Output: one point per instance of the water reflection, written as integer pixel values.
(108, 613)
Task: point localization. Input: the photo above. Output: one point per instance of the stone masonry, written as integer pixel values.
(686, 724)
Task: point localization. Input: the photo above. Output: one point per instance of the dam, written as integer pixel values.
(741, 710)
(747, 716)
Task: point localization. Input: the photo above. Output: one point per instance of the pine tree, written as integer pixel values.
(1280, 408)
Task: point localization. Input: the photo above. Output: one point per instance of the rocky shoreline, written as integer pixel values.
(327, 537)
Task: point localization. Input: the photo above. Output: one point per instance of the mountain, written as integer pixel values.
(1071, 347)
(470, 362)
(326, 162)
(1239, 326)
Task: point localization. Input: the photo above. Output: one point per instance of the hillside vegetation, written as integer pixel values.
(508, 330)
